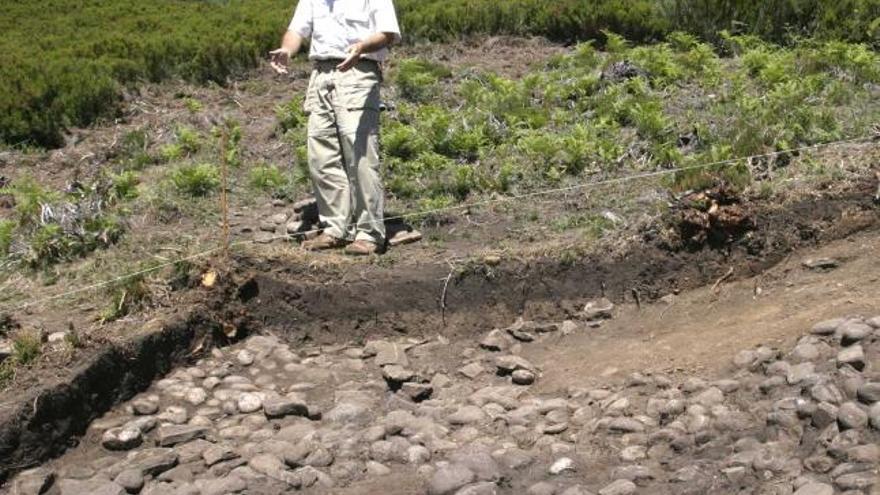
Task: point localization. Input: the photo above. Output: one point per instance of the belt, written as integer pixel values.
(336, 61)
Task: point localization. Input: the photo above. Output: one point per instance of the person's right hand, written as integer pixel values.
(279, 59)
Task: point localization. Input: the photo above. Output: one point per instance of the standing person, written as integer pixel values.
(349, 41)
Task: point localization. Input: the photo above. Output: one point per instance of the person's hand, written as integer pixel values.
(354, 56)
(279, 59)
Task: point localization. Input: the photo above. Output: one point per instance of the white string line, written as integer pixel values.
(585, 185)
(543, 192)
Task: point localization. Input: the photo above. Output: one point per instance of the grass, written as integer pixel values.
(196, 180)
(7, 231)
(591, 225)
(27, 346)
(125, 297)
(269, 179)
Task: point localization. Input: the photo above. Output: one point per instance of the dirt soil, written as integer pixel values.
(594, 377)
(686, 334)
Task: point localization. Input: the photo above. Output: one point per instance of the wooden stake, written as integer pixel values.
(224, 204)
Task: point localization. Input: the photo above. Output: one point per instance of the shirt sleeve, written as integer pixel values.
(302, 21)
(385, 17)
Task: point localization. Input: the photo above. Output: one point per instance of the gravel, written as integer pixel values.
(263, 417)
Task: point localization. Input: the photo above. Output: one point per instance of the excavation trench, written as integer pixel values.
(418, 301)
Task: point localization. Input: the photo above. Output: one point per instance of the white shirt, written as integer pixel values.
(334, 25)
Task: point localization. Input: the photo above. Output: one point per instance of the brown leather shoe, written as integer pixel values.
(362, 248)
(323, 241)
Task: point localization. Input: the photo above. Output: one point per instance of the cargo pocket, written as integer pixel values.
(358, 109)
(360, 96)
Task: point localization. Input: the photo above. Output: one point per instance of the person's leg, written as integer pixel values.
(326, 162)
(357, 107)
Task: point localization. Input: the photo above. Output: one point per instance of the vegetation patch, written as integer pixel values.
(50, 227)
(626, 109)
(199, 179)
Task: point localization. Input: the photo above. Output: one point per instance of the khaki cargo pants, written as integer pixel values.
(343, 145)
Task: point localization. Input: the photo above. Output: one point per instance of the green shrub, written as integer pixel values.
(592, 225)
(51, 243)
(403, 141)
(291, 115)
(134, 153)
(75, 72)
(7, 231)
(417, 78)
(26, 346)
(232, 152)
(126, 296)
(29, 196)
(171, 152)
(196, 180)
(268, 178)
(48, 245)
(189, 140)
(125, 185)
(193, 105)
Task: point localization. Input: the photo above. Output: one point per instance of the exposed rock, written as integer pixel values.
(132, 480)
(853, 331)
(598, 309)
(35, 481)
(813, 488)
(576, 490)
(626, 425)
(168, 436)
(479, 488)
(495, 341)
(447, 479)
(89, 487)
(479, 462)
(221, 486)
(542, 488)
(152, 461)
(523, 377)
(853, 356)
(562, 465)
(145, 407)
(417, 392)
(508, 364)
(397, 374)
(244, 356)
(292, 404)
(471, 370)
(218, 453)
(249, 403)
(271, 466)
(827, 327)
(869, 393)
(467, 415)
(619, 487)
(821, 263)
(125, 438)
(390, 353)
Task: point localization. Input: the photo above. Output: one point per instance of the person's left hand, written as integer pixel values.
(354, 56)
